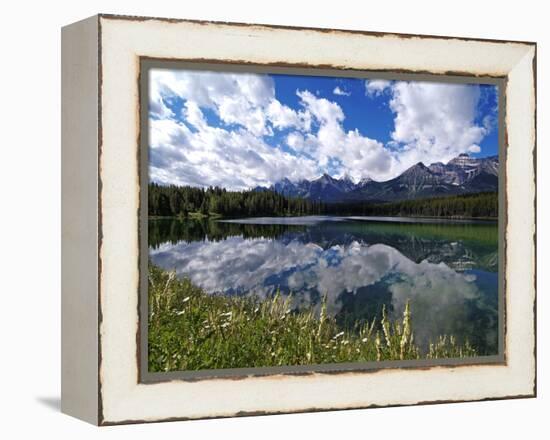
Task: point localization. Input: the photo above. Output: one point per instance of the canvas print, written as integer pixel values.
(309, 220)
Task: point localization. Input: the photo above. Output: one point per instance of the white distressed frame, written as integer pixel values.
(122, 41)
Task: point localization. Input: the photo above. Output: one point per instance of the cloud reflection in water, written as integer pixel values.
(444, 300)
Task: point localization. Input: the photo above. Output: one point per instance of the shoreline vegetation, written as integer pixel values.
(190, 329)
(199, 203)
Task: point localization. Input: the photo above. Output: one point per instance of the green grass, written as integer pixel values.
(192, 330)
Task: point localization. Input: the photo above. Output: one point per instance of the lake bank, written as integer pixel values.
(190, 329)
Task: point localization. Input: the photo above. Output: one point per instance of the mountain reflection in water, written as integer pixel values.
(447, 271)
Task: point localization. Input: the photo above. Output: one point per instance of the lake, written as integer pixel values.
(448, 270)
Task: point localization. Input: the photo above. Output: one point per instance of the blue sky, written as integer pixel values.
(242, 130)
(372, 115)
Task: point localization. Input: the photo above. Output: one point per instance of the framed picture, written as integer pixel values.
(261, 219)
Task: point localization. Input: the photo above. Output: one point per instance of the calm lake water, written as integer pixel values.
(448, 271)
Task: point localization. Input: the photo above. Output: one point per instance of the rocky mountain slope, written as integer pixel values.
(461, 175)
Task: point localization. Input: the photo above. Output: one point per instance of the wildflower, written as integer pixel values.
(323, 316)
(338, 335)
(406, 331)
(386, 326)
(378, 342)
(181, 312)
(186, 299)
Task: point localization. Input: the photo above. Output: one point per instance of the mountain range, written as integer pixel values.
(461, 175)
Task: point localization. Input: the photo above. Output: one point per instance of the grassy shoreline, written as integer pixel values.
(190, 329)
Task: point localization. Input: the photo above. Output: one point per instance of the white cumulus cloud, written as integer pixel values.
(375, 87)
(213, 156)
(359, 155)
(474, 149)
(435, 122)
(341, 92)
